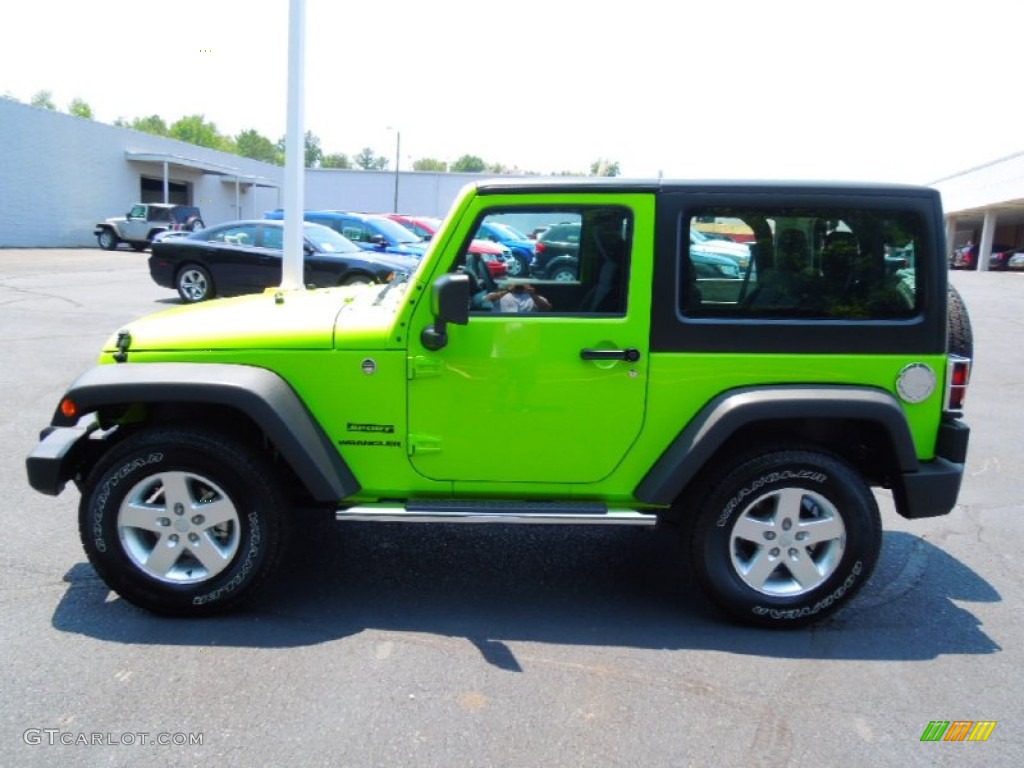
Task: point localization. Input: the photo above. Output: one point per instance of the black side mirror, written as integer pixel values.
(449, 304)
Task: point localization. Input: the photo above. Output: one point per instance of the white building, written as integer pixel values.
(63, 174)
(985, 205)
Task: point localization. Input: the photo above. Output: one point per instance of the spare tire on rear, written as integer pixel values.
(958, 322)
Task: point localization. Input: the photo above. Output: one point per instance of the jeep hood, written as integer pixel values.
(312, 319)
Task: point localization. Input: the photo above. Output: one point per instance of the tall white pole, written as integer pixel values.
(398, 155)
(292, 275)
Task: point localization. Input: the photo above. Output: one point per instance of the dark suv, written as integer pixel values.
(557, 253)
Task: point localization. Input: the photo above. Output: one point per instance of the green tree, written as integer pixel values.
(152, 124)
(497, 168)
(79, 108)
(10, 97)
(251, 143)
(469, 164)
(336, 160)
(602, 167)
(44, 100)
(314, 155)
(430, 164)
(196, 130)
(368, 160)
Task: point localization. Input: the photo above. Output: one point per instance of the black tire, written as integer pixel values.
(202, 554)
(195, 225)
(564, 274)
(357, 280)
(747, 544)
(961, 336)
(517, 265)
(107, 239)
(194, 284)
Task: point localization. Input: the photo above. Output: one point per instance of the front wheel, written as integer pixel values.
(194, 284)
(357, 280)
(108, 240)
(182, 522)
(785, 537)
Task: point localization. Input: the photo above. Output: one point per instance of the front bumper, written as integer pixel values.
(53, 462)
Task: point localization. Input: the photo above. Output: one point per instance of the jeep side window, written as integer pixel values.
(580, 265)
(137, 212)
(799, 264)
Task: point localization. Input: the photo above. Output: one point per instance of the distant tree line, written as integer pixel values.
(196, 129)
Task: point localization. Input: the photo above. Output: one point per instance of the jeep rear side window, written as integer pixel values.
(799, 263)
(579, 265)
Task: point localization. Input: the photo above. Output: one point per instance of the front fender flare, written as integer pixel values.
(258, 393)
(723, 416)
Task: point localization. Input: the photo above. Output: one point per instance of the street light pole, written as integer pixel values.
(398, 155)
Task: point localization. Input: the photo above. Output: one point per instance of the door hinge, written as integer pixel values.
(421, 367)
(420, 444)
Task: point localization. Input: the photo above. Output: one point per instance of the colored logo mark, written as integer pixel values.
(958, 730)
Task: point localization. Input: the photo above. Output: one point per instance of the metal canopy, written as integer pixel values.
(231, 174)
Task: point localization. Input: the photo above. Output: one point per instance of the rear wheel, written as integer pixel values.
(517, 266)
(785, 537)
(563, 275)
(181, 521)
(195, 284)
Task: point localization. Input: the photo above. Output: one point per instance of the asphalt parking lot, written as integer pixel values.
(490, 646)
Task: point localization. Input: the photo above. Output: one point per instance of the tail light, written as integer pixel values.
(958, 376)
(541, 247)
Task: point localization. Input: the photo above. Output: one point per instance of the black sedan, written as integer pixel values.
(245, 257)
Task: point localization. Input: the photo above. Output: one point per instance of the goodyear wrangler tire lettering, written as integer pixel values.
(785, 536)
(182, 521)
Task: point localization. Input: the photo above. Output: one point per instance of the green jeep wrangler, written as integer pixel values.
(748, 394)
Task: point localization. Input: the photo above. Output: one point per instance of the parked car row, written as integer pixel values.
(246, 257)
(347, 248)
(1002, 257)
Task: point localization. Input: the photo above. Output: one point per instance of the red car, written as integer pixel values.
(494, 255)
(966, 257)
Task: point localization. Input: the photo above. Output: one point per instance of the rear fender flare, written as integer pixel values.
(723, 416)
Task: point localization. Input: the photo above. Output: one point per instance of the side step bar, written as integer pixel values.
(529, 512)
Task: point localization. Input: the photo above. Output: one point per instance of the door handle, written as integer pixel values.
(629, 355)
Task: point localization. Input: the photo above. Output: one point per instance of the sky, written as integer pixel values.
(896, 90)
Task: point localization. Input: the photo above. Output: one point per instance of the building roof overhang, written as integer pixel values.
(228, 174)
